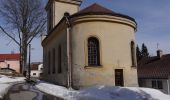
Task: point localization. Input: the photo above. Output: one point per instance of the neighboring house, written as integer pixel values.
(88, 47)
(10, 61)
(36, 69)
(154, 72)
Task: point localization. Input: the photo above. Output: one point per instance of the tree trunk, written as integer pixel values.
(21, 59)
(24, 54)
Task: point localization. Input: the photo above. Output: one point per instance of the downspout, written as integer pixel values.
(69, 72)
(168, 84)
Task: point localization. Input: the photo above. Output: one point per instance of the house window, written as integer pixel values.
(93, 52)
(44, 58)
(34, 73)
(53, 60)
(133, 53)
(49, 62)
(157, 84)
(59, 59)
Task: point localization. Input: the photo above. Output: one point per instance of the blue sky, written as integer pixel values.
(152, 16)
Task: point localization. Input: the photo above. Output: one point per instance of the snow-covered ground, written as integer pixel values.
(103, 93)
(6, 82)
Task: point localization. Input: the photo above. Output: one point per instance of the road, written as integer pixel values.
(27, 91)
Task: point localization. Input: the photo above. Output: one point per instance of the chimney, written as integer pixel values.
(8, 66)
(159, 53)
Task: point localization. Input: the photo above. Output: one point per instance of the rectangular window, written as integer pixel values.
(160, 86)
(44, 60)
(59, 59)
(157, 84)
(34, 73)
(53, 60)
(49, 62)
(119, 77)
(154, 84)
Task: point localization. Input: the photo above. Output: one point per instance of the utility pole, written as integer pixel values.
(29, 63)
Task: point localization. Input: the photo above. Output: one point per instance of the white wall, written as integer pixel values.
(148, 83)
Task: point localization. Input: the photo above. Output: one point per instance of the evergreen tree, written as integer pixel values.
(138, 53)
(144, 51)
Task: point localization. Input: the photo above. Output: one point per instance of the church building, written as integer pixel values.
(92, 46)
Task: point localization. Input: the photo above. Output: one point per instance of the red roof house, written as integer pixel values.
(10, 61)
(4, 57)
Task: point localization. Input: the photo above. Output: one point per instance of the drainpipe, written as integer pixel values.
(69, 73)
(168, 84)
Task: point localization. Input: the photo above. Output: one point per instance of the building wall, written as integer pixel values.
(148, 83)
(54, 41)
(37, 73)
(61, 8)
(13, 65)
(115, 52)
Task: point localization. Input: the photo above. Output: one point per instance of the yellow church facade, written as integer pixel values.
(93, 46)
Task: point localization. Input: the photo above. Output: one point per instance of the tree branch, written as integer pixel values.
(37, 31)
(9, 36)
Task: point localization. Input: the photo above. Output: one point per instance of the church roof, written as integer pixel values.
(96, 9)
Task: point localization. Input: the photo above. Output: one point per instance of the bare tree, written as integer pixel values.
(24, 20)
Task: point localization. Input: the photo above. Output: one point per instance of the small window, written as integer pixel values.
(41, 68)
(160, 86)
(133, 54)
(59, 59)
(157, 84)
(41, 74)
(34, 73)
(53, 60)
(49, 62)
(93, 52)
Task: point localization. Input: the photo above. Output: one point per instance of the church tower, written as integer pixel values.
(56, 9)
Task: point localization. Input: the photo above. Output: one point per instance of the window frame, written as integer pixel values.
(95, 54)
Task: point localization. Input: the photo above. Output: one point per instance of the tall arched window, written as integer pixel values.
(132, 44)
(93, 52)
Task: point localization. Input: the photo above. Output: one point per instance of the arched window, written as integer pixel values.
(132, 44)
(93, 52)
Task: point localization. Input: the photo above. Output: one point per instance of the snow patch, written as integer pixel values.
(6, 82)
(102, 92)
(8, 79)
(56, 90)
(3, 89)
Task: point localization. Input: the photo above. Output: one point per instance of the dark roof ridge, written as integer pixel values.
(97, 9)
